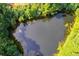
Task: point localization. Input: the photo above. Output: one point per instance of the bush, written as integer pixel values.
(34, 11)
(7, 44)
(70, 7)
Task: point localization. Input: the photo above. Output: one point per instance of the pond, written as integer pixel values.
(41, 37)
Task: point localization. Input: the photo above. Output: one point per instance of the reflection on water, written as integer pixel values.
(30, 47)
(41, 38)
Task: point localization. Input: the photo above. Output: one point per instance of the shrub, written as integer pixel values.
(34, 11)
(7, 44)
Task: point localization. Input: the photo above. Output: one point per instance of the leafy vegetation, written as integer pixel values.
(70, 7)
(33, 11)
(71, 45)
(7, 44)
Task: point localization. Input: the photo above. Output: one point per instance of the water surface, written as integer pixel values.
(41, 38)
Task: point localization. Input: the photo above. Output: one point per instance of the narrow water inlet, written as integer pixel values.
(41, 38)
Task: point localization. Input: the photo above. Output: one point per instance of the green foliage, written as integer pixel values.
(70, 7)
(71, 45)
(34, 11)
(21, 18)
(7, 45)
